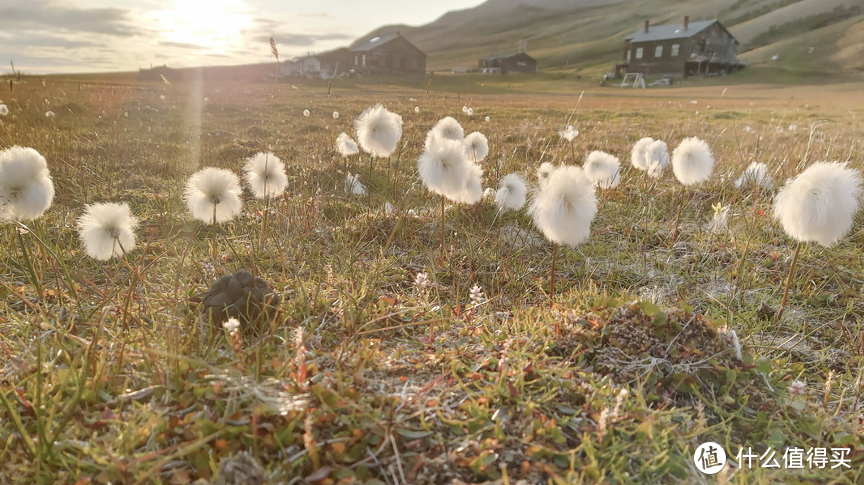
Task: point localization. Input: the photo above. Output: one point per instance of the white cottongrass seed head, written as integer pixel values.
(637, 155)
(50, 114)
(819, 205)
(266, 176)
(569, 133)
(416, 109)
(472, 191)
(26, 188)
(107, 230)
(476, 146)
(449, 129)
(306, 113)
(565, 208)
(488, 192)
(213, 195)
(378, 131)
(656, 158)
(353, 185)
(335, 115)
(755, 175)
(443, 168)
(4, 110)
(545, 170)
(511, 194)
(692, 161)
(603, 169)
(346, 146)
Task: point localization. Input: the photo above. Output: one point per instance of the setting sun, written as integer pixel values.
(211, 25)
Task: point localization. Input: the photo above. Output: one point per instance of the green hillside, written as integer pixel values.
(577, 35)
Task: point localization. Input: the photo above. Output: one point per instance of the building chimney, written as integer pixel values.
(646, 26)
(686, 21)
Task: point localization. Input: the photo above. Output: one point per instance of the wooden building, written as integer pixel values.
(504, 63)
(388, 54)
(688, 49)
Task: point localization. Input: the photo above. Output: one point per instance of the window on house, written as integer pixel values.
(675, 49)
(658, 51)
(356, 60)
(629, 52)
(364, 60)
(638, 53)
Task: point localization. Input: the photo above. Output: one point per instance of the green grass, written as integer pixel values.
(109, 374)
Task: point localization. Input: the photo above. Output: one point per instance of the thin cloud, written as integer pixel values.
(303, 40)
(182, 45)
(40, 14)
(31, 40)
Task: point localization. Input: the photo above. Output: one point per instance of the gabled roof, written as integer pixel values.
(374, 42)
(669, 31)
(504, 56)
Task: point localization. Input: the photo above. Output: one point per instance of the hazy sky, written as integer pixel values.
(43, 36)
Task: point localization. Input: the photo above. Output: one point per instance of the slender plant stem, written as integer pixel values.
(442, 230)
(28, 262)
(788, 283)
(552, 272)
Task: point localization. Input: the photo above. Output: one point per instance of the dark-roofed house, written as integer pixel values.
(504, 63)
(688, 49)
(388, 54)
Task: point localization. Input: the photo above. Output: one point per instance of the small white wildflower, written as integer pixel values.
(335, 115)
(569, 133)
(231, 325)
(306, 113)
(797, 388)
(477, 296)
(416, 109)
(421, 281)
(487, 119)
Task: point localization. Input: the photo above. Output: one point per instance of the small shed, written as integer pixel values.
(686, 49)
(308, 66)
(387, 54)
(504, 63)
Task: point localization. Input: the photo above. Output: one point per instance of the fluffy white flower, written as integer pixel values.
(511, 193)
(50, 114)
(26, 189)
(470, 112)
(544, 172)
(692, 161)
(306, 112)
(346, 146)
(603, 169)
(335, 115)
(449, 129)
(820, 203)
(213, 195)
(656, 158)
(416, 109)
(637, 156)
(464, 109)
(756, 175)
(476, 146)
(353, 185)
(107, 230)
(569, 133)
(378, 131)
(565, 208)
(265, 174)
(488, 192)
(443, 168)
(487, 119)
(4, 110)
(472, 192)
